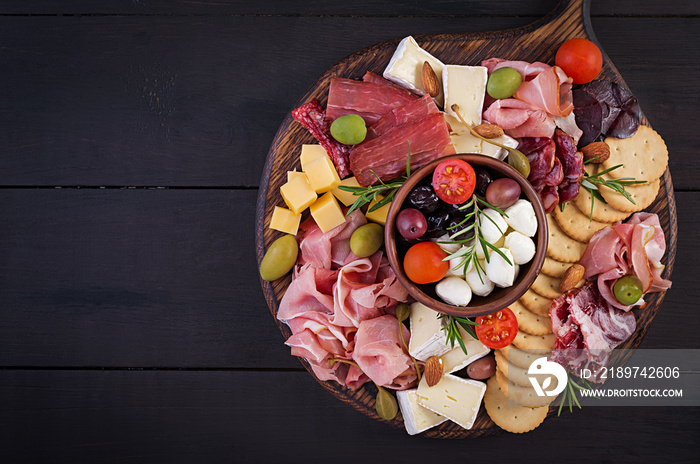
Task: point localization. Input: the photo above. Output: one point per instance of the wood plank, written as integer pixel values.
(325, 7)
(87, 104)
(165, 278)
(173, 417)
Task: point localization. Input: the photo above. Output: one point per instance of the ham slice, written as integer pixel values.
(520, 119)
(385, 156)
(370, 100)
(550, 90)
(635, 247)
(587, 329)
(380, 353)
(332, 249)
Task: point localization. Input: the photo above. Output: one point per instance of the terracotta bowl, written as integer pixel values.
(499, 298)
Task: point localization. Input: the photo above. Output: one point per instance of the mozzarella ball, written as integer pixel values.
(521, 217)
(455, 268)
(493, 228)
(478, 281)
(521, 246)
(499, 271)
(448, 247)
(454, 290)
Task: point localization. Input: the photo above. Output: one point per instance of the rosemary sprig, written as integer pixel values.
(381, 194)
(477, 239)
(452, 326)
(569, 393)
(592, 184)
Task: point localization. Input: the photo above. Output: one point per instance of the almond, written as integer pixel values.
(596, 152)
(571, 277)
(489, 131)
(433, 370)
(431, 84)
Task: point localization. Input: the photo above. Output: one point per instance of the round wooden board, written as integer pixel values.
(535, 42)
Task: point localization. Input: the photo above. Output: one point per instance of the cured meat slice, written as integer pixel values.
(589, 116)
(385, 156)
(370, 100)
(328, 250)
(550, 90)
(520, 119)
(312, 117)
(417, 109)
(587, 329)
(527, 70)
(571, 160)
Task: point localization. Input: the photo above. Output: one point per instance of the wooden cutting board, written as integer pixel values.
(535, 42)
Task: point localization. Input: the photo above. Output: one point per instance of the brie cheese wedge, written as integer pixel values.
(427, 337)
(466, 87)
(453, 397)
(455, 359)
(406, 67)
(416, 418)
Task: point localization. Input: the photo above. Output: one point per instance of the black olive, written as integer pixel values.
(423, 198)
(437, 223)
(483, 179)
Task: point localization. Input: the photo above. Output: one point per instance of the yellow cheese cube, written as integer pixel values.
(285, 221)
(378, 215)
(310, 153)
(345, 197)
(327, 213)
(322, 174)
(292, 174)
(298, 194)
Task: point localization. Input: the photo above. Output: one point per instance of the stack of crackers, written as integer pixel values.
(510, 398)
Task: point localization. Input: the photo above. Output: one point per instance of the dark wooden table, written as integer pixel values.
(132, 141)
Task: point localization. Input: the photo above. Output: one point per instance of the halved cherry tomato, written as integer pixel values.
(580, 59)
(454, 181)
(497, 330)
(424, 263)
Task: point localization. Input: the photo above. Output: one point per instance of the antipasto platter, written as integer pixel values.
(536, 43)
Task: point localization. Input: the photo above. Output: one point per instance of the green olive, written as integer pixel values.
(386, 405)
(349, 129)
(628, 289)
(367, 239)
(519, 161)
(503, 82)
(279, 258)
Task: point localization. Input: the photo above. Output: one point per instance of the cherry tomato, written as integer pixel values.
(454, 181)
(424, 263)
(580, 59)
(497, 330)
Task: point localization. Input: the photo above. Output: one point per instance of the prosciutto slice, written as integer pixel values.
(528, 71)
(520, 119)
(332, 249)
(380, 353)
(417, 109)
(550, 90)
(635, 247)
(587, 329)
(385, 156)
(370, 100)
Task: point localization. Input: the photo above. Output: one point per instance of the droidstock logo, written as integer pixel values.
(542, 366)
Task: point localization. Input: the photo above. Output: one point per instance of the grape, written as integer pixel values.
(503, 82)
(349, 129)
(411, 223)
(503, 192)
(424, 198)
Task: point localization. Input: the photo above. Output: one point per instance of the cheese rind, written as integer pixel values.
(285, 221)
(416, 418)
(427, 337)
(497, 152)
(406, 67)
(466, 87)
(455, 359)
(453, 397)
(298, 194)
(322, 174)
(327, 213)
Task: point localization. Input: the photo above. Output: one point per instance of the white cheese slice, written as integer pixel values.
(427, 337)
(406, 67)
(494, 151)
(416, 418)
(466, 87)
(462, 139)
(455, 359)
(453, 397)
(521, 217)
